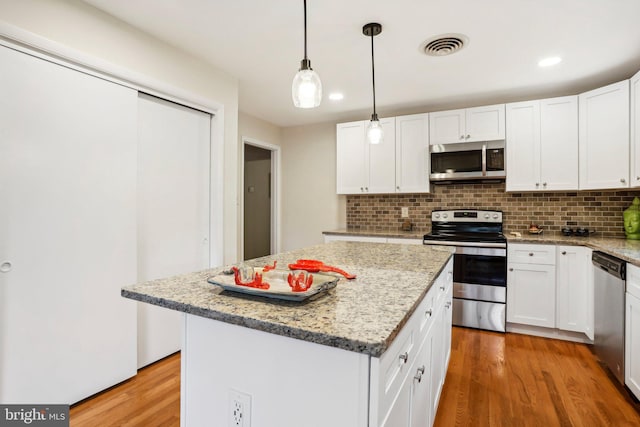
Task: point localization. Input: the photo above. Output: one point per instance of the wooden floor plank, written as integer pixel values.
(494, 379)
(529, 381)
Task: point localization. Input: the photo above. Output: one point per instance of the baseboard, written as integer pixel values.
(548, 333)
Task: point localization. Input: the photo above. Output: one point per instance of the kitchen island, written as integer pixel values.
(370, 352)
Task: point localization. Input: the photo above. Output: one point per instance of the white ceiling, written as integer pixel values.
(260, 42)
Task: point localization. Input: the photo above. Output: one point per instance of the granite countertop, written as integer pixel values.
(362, 315)
(413, 234)
(628, 250)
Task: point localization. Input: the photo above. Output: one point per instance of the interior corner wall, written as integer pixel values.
(310, 204)
(85, 29)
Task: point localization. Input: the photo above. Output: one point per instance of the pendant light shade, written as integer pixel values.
(306, 89)
(375, 135)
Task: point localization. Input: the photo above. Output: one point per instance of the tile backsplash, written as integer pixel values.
(597, 210)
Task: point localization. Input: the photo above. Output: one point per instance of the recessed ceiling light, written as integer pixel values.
(547, 62)
(336, 96)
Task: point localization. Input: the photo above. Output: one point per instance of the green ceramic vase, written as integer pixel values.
(631, 217)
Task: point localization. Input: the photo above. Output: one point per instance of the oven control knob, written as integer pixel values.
(486, 216)
(495, 216)
(445, 215)
(436, 216)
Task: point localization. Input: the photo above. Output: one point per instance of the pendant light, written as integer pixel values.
(375, 134)
(306, 88)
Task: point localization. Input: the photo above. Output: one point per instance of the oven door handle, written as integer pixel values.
(470, 244)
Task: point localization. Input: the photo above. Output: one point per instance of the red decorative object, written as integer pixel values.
(255, 283)
(299, 283)
(269, 267)
(315, 266)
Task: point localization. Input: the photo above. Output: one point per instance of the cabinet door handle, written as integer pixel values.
(544, 184)
(398, 187)
(447, 304)
(404, 357)
(428, 313)
(511, 269)
(530, 253)
(468, 136)
(461, 136)
(442, 288)
(622, 180)
(637, 178)
(361, 188)
(366, 189)
(537, 184)
(419, 373)
(564, 252)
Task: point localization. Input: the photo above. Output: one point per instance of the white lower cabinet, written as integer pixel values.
(574, 292)
(407, 381)
(551, 287)
(531, 294)
(632, 331)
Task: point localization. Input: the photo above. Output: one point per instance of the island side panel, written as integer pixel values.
(291, 382)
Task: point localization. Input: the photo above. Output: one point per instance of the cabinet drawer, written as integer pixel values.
(633, 280)
(531, 254)
(395, 365)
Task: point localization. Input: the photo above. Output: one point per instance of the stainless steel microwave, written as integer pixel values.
(470, 160)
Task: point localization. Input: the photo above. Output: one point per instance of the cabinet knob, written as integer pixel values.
(428, 313)
(564, 252)
(511, 269)
(544, 184)
(442, 288)
(419, 373)
(404, 357)
(622, 180)
(461, 136)
(398, 187)
(447, 304)
(361, 188)
(468, 136)
(637, 178)
(530, 253)
(366, 189)
(6, 267)
(537, 184)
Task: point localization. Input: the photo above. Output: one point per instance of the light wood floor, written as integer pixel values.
(493, 379)
(515, 380)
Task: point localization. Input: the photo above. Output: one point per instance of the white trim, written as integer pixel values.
(29, 43)
(276, 190)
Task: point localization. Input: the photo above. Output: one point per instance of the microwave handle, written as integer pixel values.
(484, 159)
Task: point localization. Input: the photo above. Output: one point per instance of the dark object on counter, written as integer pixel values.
(582, 232)
(567, 231)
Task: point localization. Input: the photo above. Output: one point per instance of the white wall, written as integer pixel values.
(310, 204)
(82, 28)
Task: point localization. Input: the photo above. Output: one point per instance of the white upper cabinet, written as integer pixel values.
(352, 165)
(362, 167)
(542, 145)
(412, 154)
(604, 137)
(485, 123)
(635, 131)
(523, 146)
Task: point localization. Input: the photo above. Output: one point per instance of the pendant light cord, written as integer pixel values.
(373, 77)
(305, 29)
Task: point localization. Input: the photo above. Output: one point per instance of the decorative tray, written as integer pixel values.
(279, 287)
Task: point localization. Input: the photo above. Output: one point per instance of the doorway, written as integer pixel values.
(259, 195)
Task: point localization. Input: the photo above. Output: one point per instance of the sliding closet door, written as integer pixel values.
(67, 231)
(173, 211)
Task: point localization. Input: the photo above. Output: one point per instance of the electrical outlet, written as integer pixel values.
(404, 212)
(239, 409)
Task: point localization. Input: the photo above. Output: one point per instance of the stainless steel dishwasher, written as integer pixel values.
(609, 275)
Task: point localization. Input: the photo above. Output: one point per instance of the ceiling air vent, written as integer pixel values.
(444, 44)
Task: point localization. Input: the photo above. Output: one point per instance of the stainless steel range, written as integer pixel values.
(479, 266)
